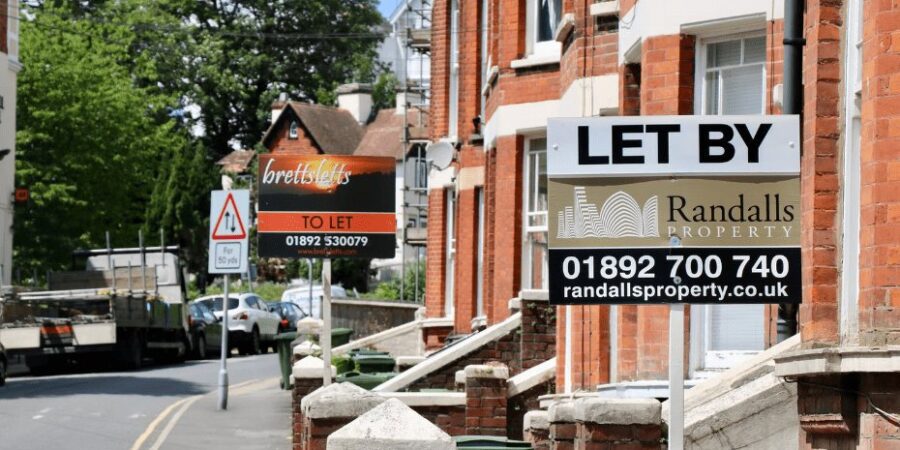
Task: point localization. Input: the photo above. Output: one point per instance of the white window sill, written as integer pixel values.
(535, 61)
(608, 8)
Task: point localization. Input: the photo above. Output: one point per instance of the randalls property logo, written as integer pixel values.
(728, 216)
(620, 216)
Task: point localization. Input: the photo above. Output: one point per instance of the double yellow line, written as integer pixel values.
(182, 406)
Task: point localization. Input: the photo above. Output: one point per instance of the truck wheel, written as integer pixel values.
(2, 372)
(131, 354)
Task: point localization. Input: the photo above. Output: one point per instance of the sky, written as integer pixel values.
(387, 6)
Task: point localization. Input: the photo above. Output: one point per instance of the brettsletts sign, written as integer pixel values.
(699, 209)
(322, 206)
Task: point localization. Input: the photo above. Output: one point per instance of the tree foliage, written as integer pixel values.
(89, 140)
(106, 136)
(244, 53)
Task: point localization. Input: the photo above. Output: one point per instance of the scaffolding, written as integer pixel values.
(415, 30)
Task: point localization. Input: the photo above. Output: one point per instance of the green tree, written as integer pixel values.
(89, 140)
(179, 206)
(241, 54)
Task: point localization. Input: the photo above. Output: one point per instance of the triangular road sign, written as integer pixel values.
(230, 224)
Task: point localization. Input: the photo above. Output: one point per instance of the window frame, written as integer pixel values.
(702, 68)
(453, 86)
(450, 252)
(479, 248)
(851, 177)
(294, 130)
(702, 355)
(528, 193)
(532, 30)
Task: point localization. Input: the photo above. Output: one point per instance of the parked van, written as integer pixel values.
(300, 296)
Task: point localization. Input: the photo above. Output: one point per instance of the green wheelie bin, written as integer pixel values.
(488, 443)
(365, 380)
(285, 353)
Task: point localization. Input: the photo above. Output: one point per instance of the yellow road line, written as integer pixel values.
(171, 425)
(162, 416)
(150, 428)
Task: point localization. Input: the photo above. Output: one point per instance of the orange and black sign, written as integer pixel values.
(323, 206)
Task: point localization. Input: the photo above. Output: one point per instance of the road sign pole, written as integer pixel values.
(223, 370)
(676, 376)
(326, 318)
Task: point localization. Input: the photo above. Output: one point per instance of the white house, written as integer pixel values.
(9, 68)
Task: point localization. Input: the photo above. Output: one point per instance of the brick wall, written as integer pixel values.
(507, 237)
(486, 402)
(520, 404)
(505, 349)
(4, 22)
(435, 253)
(302, 388)
(451, 419)
(440, 73)
(879, 302)
(538, 333)
(466, 261)
(590, 347)
(667, 77)
(836, 413)
(471, 158)
(302, 145)
(819, 179)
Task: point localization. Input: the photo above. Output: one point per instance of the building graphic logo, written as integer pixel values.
(621, 216)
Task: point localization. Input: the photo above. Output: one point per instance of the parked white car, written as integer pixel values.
(300, 297)
(251, 326)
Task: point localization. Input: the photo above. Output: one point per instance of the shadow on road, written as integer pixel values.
(119, 384)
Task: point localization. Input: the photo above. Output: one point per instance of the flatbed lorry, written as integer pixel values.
(128, 304)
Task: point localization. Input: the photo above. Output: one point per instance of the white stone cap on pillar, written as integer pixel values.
(460, 377)
(618, 411)
(339, 400)
(487, 371)
(309, 325)
(310, 367)
(514, 304)
(306, 348)
(536, 420)
(561, 412)
(390, 426)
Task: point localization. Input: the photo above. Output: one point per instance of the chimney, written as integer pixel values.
(278, 105)
(403, 97)
(357, 99)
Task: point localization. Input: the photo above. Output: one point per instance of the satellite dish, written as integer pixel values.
(440, 154)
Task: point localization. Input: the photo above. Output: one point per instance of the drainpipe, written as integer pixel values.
(791, 104)
(793, 56)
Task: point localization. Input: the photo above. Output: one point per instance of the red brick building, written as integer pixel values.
(501, 68)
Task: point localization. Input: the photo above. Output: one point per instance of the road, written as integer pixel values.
(117, 410)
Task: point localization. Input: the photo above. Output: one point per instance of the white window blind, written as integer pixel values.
(734, 81)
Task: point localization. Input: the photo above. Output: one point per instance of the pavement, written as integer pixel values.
(158, 407)
(258, 418)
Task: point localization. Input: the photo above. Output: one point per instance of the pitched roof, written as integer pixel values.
(237, 161)
(334, 130)
(384, 136)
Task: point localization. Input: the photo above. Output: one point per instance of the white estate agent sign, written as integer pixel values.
(228, 231)
(668, 209)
